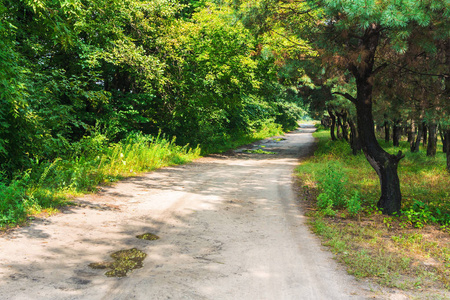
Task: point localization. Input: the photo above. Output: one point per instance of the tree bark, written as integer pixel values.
(383, 163)
(443, 139)
(354, 140)
(338, 127)
(447, 152)
(342, 121)
(333, 124)
(416, 146)
(396, 130)
(411, 135)
(425, 132)
(432, 140)
(386, 131)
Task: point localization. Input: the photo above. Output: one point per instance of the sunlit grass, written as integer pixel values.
(48, 186)
(410, 252)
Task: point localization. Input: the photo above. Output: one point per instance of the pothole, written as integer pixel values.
(124, 262)
(148, 236)
(259, 151)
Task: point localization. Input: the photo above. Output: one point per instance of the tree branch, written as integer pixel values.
(379, 69)
(444, 75)
(346, 95)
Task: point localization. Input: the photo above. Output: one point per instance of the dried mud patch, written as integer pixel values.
(124, 262)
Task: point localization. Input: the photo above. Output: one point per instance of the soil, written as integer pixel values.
(229, 227)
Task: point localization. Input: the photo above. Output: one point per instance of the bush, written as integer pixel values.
(333, 186)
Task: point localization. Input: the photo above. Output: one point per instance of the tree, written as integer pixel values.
(359, 38)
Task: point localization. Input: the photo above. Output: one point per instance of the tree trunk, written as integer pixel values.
(354, 140)
(396, 133)
(432, 140)
(333, 124)
(425, 132)
(411, 135)
(342, 121)
(443, 139)
(416, 146)
(344, 126)
(338, 127)
(386, 131)
(383, 163)
(447, 150)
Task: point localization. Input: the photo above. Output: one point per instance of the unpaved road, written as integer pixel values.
(229, 228)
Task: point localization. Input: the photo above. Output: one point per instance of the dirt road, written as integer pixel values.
(229, 228)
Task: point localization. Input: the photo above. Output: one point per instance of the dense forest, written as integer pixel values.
(85, 82)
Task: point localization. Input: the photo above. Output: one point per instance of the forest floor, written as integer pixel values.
(229, 227)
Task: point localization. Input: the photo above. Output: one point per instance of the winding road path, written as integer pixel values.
(229, 225)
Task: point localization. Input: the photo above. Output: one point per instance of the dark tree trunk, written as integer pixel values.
(338, 127)
(415, 147)
(396, 130)
(344, 127)
(354, 140)
(333, 124)
(432, 140)
(387, 134)
(443, 139)
(411, 134)
(325, 122)
(342, 121)
(425, 132)
(383, 163)
(447, 150)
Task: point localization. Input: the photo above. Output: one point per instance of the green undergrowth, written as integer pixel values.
(424, 180)
(95, 160)
(238, 139)
(410, 252)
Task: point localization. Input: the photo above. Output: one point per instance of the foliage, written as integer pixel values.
(93, 161)
(333, 186)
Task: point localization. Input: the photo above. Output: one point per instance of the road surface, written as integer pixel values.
(229, 225)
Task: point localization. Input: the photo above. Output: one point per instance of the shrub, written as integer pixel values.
(333, 186)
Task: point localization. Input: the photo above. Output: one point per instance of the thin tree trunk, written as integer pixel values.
(425, 132)
(338, 127)
(432, 140)
(386, 131)
(354, 140)
(333, 124)
(342, 121)
(396, 133)
(443, 139)
(447, 138)
(411, 134)
(416, 145)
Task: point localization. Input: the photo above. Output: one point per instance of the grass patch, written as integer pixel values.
(259, 151)
(410, 252)
(48, 185)
(233, 141)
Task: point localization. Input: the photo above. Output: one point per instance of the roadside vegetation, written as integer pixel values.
(410, 251)
(49, 185)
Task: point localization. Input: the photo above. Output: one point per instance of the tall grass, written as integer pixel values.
(94, 161)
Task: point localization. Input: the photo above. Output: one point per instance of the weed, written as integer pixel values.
(259, 151)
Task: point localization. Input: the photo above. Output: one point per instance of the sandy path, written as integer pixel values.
(229, 225)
